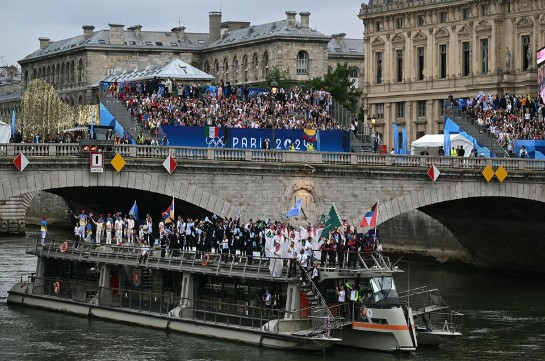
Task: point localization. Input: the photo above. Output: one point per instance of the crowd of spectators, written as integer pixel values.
(509, 117)
(226, 106)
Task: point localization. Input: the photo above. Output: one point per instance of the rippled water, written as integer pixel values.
(505, 319)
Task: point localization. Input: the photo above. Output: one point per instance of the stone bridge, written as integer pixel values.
(499, 224)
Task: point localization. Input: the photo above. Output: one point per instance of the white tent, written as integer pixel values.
(432, 142)
(5, 132)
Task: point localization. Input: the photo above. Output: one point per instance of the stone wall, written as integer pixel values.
(54, 207)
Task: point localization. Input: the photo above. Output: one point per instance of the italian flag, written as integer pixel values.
(211, 132)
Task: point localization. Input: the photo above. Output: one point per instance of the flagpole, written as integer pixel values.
(376, 223)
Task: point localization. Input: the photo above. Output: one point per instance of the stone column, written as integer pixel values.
(498, 45)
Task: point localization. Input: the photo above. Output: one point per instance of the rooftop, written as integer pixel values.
(340, 46)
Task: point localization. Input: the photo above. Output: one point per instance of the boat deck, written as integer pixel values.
(239, 266)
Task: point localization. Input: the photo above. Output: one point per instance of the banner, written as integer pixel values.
(395, 132)
(404, 147)
(248, 138)
(535, 148)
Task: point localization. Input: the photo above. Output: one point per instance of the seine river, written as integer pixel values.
(504, 320)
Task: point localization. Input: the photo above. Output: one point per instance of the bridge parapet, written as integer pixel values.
(275, 156)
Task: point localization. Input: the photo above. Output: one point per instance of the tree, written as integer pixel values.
(340, 85)
(282, 77)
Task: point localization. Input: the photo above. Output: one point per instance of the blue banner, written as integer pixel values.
(404, 145)
(247, 138)
(395, 132)
(534, 148)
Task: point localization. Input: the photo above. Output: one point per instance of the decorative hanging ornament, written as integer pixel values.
(21, 162)
(170, 164)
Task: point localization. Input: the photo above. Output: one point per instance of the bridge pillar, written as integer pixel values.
(12, 213)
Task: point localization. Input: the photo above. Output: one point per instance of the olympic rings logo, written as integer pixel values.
(215, 142)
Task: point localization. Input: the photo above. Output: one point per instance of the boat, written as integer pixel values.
(436, 323)
(244, 298)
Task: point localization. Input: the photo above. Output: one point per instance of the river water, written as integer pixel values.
(504, 320)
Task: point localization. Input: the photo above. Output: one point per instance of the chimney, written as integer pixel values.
(88, 31)
(117, 37)
(291, 18)
(340, 37)
(214, 26)
(180, 32)
(137, 30)
(44, 42)
(305, 15)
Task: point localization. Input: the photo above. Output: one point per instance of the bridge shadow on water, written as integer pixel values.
(505, 233)
(109, 200)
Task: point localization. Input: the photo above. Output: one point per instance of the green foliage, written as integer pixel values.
(282, 77)
(339, 84)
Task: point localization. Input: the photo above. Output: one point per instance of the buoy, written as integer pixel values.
(57, 287)
(64, 246)
(205, 260)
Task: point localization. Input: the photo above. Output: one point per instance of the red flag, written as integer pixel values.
(370, 218)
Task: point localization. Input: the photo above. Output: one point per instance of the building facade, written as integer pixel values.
(232, 51)
(418, 53)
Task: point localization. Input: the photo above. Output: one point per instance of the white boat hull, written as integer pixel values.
(436, 338)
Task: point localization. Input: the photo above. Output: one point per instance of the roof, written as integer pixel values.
(349, 47)
(147, 40)
(276, 29)
(10, 96)
(176, 69)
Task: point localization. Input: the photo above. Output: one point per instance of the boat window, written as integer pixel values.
(383, 287)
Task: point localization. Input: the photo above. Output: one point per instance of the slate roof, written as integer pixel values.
(10, 96)
(148, 40)
(349, 47)
(276, 29)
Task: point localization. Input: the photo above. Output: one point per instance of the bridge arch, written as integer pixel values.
(457, 191)
(52, 181)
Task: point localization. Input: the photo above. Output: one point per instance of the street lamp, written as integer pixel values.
(274, 89)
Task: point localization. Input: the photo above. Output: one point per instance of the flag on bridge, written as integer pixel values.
(370, 218)
(134, 211)
(20, 162)
(296, 211)
(309, 135)
(211, 132)
(433, 172)
(168, 215)
(333, 220)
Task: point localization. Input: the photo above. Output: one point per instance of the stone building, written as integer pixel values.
(419, 52)
(233, 51)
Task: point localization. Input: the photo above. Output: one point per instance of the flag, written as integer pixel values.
(309, 135)
(318, 140)
(332, 220)
(370, 218)
(211, 132)
(446, 141)
(13, 124)
(134, 211)
(395, 133)
(295, 211)
(433, 172)
(168, 215)
(404, 148)
(92, 131)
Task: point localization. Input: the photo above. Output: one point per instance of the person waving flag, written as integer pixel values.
(168, 215)
(370, 218)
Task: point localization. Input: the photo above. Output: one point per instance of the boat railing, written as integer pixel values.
(451, 321)
(423, 300)
(216, 263)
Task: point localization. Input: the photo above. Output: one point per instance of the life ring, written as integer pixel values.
(136, 278)
(57, 287)
(363, 313)
(64, 246)
(205, 260)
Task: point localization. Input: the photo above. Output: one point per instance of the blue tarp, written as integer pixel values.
(452, 128)
(107, 119)
(246, 138)
(535, 148)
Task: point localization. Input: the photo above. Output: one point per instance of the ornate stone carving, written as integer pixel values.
(398, 39)
(524, 22)
(483, 26)
(419, 36)
(377, 41)
(442, 33)
(464, 30)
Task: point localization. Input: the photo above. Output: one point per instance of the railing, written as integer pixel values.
(66, 151)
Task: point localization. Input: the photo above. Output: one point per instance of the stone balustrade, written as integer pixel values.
(274, 156)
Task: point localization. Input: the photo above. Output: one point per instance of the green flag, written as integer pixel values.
(333, 220)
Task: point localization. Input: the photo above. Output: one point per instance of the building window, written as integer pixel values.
(379, 67)
(421, 108)
(225, 70)
(217, 71)
(420, 63)
(354, 74)
(441, 109)
(443, 17)
(265, 65)
(378, 26)
(421, 20)
(380, 110)
(465, 59)
(508, 6)
(235, 68)
(255, 63)
(524, 54)
(400, 110)
(245, 67)
(484, 9)
(399, 23)
(302, 62)
(484, 56)
(442, 61)
(399, 65)
(465, 13)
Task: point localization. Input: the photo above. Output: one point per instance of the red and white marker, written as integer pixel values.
(21, 162)
(433, 173)
(170, 164)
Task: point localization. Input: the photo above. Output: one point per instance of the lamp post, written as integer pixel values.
(374, 137)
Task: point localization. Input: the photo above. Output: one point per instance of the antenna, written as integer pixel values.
(220, 5)
(179, 22)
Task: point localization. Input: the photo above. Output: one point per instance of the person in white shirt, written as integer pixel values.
(292, 255)
(109, 230)
(341, 298)
(302, 259)
(130, 230)
(118, 225)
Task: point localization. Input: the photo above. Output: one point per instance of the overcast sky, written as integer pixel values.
(24, 21)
